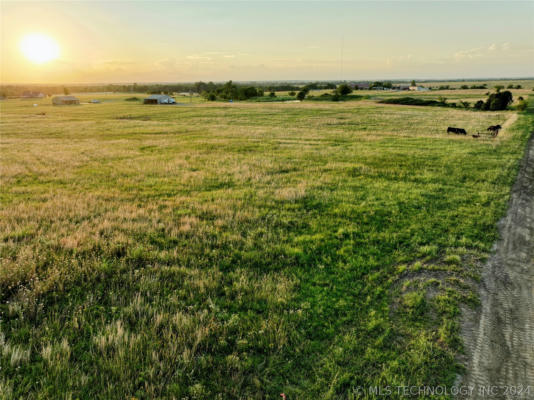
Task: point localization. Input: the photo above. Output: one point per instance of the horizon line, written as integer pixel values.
(275, 80)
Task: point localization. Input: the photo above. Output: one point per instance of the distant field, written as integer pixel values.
(215, 250)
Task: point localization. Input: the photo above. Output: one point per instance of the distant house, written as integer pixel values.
(64, 100)
(159, 99)
(27, 94)
(418, 88)
(363, 86)
(402, 87)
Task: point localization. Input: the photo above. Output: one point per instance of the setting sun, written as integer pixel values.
(39, 48)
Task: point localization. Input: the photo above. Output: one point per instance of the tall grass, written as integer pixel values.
(241, 250)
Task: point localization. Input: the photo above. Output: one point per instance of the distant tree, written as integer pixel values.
(248, 92)
(442, 100)
(498, 101)
(498, 88)
(65, 91)
(413, 83)
(388, 85)
(510, 86)
(272, 94)
(292, 93)
(518, 86)
(343, 89)
(301, 95)
(479, 105)
(464, 87)
(336, 97)
(465, 104)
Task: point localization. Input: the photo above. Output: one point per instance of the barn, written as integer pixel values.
(159, 99)
(64, 100)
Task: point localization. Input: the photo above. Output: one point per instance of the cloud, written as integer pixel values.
(198, 57)
(479, 52)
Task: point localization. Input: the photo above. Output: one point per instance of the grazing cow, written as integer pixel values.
(494, 129)
(458, 131)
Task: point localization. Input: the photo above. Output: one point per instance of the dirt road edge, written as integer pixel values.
(499, 335)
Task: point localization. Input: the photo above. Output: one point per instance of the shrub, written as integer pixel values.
(343, 89)
(272, 94)
(301, 95)
(498, 101)
(465, 104)
(336, 97)
(479, 105)
(292, 93)
(464, 87)
(522, 105)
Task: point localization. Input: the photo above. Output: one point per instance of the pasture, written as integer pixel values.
(216, 250)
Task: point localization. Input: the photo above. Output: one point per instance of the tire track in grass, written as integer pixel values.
(499, 337)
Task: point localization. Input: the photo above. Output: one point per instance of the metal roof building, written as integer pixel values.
(159, 99)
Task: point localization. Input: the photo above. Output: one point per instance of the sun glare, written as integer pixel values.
(39, 48)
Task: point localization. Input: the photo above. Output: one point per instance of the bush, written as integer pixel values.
(132, 99)
(336, 97)
(292, 93)
(343, 89)
(301, 95)
(272, 94)
(464, 87)
(479, 105)
(522, 105)
(498, 101)
(465, 104)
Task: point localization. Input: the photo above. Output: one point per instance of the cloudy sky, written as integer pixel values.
(137, 41)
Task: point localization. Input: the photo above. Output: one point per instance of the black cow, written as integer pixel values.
(458, 131)
(494, 129)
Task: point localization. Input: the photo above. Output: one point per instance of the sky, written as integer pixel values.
(184, 41)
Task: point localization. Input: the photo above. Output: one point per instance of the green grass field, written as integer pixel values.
(220, 251)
